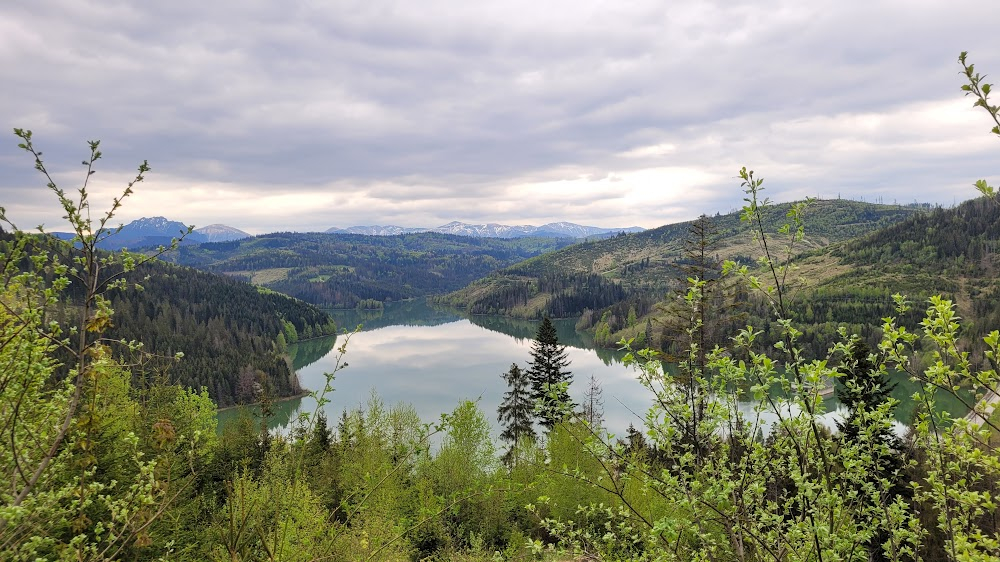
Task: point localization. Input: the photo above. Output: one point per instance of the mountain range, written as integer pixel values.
(159, 231)
(342, 270)
(493, 230)
(149, 232)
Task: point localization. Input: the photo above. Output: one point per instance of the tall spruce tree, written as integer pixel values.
(698, 314)
(701, 262)
(548, 375)
(515, 412)
(864, 388)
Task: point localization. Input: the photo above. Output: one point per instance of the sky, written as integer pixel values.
(304, 115)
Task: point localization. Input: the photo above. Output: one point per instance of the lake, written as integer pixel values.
(434, 358)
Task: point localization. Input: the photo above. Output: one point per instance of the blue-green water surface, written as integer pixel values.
(433, 358)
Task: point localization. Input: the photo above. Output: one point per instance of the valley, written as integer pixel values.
(499, 281)
(244, 315)
(348, 270)
(852, 256)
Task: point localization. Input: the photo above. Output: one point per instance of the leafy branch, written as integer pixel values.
(980, 90)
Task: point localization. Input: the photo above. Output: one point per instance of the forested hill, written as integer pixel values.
(348, 270)
(643, 266)
(954, 252)
(849, 284)
(950, 243)
(948, 252)
(233, 336)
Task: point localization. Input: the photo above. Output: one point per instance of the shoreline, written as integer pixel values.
(299, 395)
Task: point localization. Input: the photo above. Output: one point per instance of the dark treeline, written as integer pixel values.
(566, 295)
(572, 294)
(345, 291)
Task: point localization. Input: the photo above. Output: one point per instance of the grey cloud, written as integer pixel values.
(469, 98)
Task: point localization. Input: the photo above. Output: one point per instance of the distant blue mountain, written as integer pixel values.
(221, 233)
(151, 232)
(145, 233)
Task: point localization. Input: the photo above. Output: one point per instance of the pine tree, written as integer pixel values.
(515, 412)
(700, 263)
(698, 316)
(593, 404)
(635, 442)
(548, 375)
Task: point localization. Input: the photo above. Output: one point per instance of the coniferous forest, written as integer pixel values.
(233, 336)
(111, 449)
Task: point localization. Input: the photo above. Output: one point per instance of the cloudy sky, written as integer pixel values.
(297, 115)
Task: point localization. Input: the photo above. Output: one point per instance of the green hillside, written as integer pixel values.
(234, 336)
(348, 270)
(643, 266)
(847, 283)
(952, 252)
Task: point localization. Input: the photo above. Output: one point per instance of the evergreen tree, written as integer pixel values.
(321, 435)
(700, 262)
(699, 316)
(635, 442)
(864, 389)
(548, 375)
(593, 403)
(515, 412)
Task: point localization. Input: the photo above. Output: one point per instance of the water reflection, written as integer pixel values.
(565, 331)
(310, 351)
(435, 367)
(283, 414)
(416, 312)
(433, 358)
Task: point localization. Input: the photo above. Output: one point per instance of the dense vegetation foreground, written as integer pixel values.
(102, 463)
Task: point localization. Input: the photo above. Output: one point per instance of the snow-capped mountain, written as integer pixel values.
(489, 230)
(221, 233)
(552, 230)
(493, 230)
(579, 231)
(376, 230)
